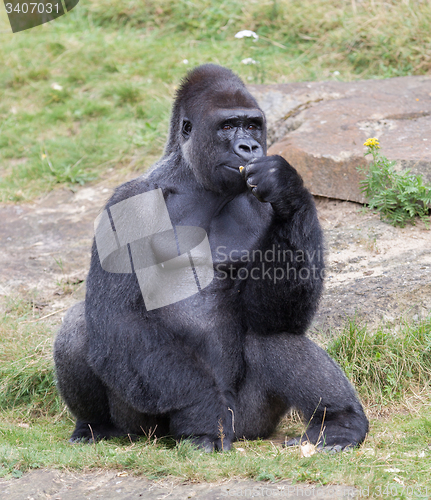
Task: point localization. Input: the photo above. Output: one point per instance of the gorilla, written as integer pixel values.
(228, 359)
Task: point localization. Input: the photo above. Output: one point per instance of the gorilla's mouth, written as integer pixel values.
(231, 167)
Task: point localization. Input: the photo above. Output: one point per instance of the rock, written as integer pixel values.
(320, 128)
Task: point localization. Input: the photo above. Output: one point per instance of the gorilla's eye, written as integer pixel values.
(252, 126)
(187, 128)
(226, 126)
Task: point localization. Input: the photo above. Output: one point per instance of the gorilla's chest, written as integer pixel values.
(235, 227)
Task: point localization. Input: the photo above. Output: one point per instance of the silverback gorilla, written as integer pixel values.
(230, 360)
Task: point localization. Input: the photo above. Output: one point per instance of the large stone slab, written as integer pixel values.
(320, 128)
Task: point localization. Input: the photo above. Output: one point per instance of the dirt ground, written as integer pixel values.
(102, 485)
(374, 271)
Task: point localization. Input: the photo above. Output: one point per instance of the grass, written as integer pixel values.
(26, 367)
(92, 90)
(390, 366)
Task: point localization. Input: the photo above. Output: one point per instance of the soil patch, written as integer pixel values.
(108, 485)
(375, 271)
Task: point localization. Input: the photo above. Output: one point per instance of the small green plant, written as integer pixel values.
(72, 174)
(400, 197)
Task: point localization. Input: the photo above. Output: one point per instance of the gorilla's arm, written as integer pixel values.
(285, 297)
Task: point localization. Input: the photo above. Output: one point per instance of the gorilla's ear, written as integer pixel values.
(186, 128)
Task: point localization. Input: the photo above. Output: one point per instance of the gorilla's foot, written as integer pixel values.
(330, 438)
(335, 431)
(91, 432)
(206, 444)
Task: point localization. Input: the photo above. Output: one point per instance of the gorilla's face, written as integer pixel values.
(219, 139)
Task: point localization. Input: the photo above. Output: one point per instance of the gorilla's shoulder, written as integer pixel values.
(156, 177)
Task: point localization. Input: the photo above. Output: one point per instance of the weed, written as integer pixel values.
(60, 264)
(399, 196)
(26, 367)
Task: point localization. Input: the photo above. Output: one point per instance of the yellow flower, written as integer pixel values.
(372, 142)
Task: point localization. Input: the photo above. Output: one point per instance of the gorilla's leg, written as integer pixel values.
(185, 387)
(177, 385)
(133, 422)
(177, 392)
(184, 394)
(290, 371)
(83, 392)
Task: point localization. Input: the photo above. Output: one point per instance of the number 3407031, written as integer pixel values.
(32, 8)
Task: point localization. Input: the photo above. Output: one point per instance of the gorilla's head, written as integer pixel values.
(217, 126)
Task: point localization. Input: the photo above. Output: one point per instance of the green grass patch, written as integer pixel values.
(390, 367)
(27, 381)
(93, 89)
(396, 448)
(387, 365)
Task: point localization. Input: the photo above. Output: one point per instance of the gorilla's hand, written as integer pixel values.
(271, 179)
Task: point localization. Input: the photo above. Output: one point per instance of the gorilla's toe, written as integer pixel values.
(206, 444)
(203, 443)
(224, 445)
(296, 441)
(330, 448)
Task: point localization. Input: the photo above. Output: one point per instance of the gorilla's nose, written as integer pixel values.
(248, 149)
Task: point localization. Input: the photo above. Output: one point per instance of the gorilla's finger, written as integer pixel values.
(251, 182)
(255, 191)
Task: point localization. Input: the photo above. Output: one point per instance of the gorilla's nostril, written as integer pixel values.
(247, 148)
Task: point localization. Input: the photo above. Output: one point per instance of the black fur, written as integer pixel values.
(233, 358)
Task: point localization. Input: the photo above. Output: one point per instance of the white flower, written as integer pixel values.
(185, 61)
(249, 60)
(248, 34)
(56, 86)
(336, 73)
